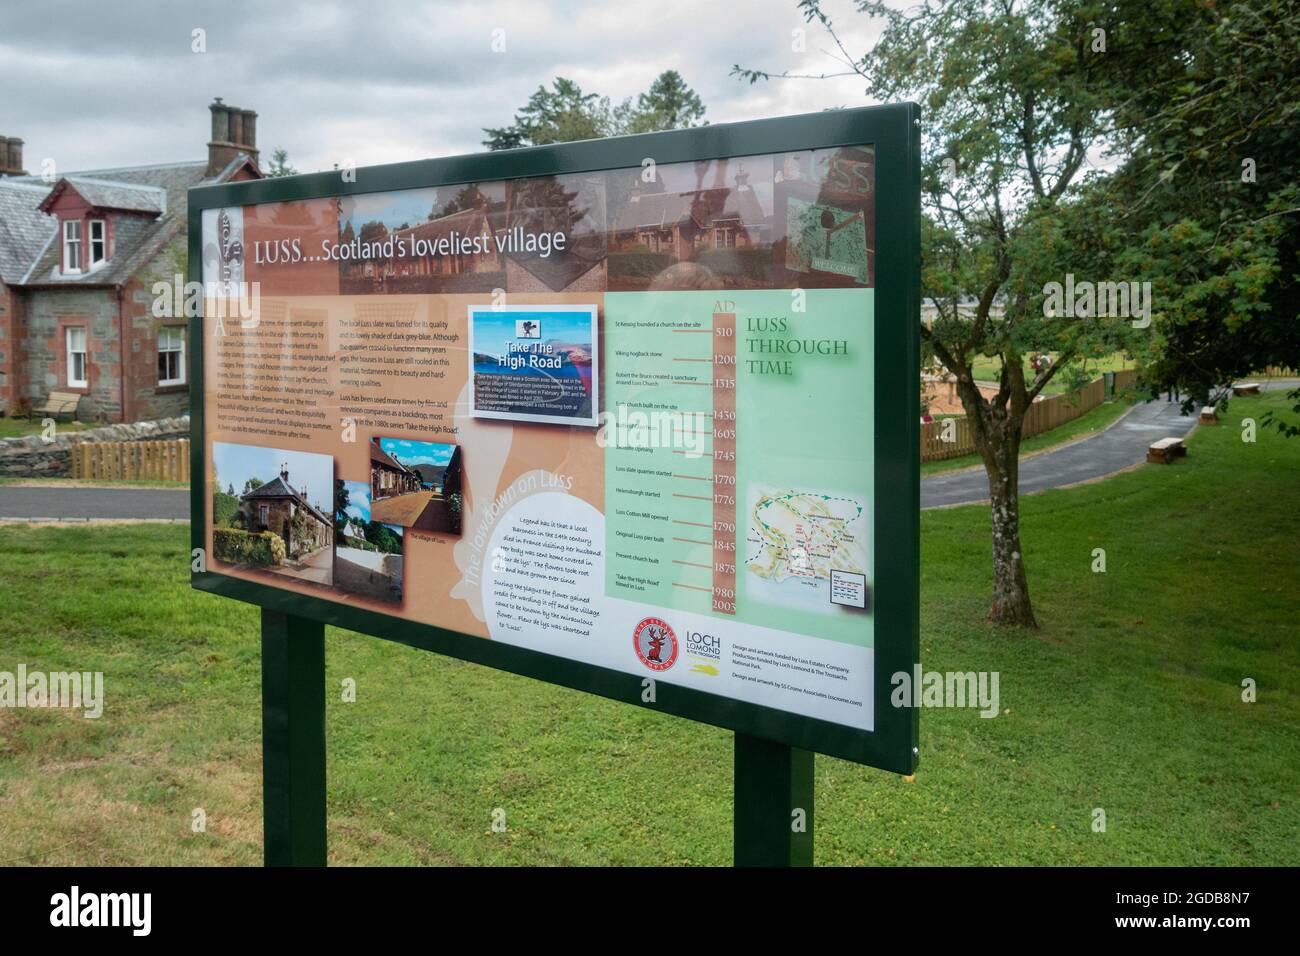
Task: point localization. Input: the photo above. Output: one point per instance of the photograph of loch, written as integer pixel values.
(272, 511)
(368, 558)
(416, 484)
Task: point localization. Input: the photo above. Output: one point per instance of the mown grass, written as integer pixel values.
(988, 368)
(1128, 700)
(20, 427)
(1091, 421)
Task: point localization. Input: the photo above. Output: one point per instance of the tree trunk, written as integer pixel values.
(1010, 587)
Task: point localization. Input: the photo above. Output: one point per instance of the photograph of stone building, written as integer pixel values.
(276, 517)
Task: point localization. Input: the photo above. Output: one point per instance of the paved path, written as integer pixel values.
(1120, 446)
(48, 503)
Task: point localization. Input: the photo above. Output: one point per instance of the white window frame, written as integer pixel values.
(102, 242)
(264, 515)
(71, 244)
(84, 381)
(179, 332)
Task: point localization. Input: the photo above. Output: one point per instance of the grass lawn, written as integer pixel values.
(94, 483)
(20, 427)
(1086, 424)
(1129, 699)
(988, 368)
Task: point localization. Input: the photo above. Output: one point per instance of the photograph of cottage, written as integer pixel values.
(368, 557)
(416, 484)
(714, 216)
(408, 241)
(79, 253)
(272, 509)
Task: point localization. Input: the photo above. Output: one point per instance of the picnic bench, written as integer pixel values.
(57, 404)
(1164, 451)
(1246, 388)
(1209, 416)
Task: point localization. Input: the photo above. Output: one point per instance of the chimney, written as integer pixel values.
(11, 156)
(234, 131)
(284, 472)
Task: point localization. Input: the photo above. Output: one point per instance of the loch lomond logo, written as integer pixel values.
(655, 644)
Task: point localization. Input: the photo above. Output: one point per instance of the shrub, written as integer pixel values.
(749, 263)
(644, 264)
(263, 549)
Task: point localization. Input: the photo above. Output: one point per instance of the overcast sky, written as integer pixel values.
(94, 84)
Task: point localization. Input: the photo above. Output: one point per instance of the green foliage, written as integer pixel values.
(342, 501)
(1207, 205)
(224, 508)
(383, 537)
(633, 263)
(755, 264)
(252, 484)
(279, 165)
(260, 549)
(564, 113)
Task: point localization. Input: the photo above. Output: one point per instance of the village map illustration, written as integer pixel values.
(798, 537)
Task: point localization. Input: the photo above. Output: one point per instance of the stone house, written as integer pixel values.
(388, 476)
(274, 507)
(79, 254)
(684, 223)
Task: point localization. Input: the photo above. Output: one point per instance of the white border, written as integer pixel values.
(593, 311)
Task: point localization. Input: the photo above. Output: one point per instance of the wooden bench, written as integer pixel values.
(1164, 451)
(57, 404)
(1246, 388)
(1209, 415)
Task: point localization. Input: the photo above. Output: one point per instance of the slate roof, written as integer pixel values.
(702, 206)
(277, 487)
(158, 191)
(106, 194)
(24, 229)
(379, 456)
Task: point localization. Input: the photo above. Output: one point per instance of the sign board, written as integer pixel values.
(636, 416)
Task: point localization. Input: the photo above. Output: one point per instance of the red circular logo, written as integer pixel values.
(655, 644)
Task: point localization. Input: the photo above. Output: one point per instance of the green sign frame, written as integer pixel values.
(894, 130)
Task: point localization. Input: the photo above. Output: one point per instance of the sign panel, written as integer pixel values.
(637, 416)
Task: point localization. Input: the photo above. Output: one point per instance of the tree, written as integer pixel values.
(558, 115)
(1208, 198)
(342, 501)
(565, 113)
(279, 165)
(1012, 98)
(669, 104)
(252, 484)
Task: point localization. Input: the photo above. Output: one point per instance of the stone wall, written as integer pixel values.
(33, 457)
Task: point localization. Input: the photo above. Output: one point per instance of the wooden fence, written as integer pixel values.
(1042, 416)
(143, 460)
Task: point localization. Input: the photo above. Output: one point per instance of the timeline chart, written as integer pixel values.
(724, 462)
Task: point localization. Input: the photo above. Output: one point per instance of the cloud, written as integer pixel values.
(90, 84)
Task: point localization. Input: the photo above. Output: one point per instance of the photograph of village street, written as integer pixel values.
(416, 484)
(978, 588)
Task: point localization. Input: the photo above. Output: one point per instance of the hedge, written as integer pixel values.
(262, 549)
(644, 264)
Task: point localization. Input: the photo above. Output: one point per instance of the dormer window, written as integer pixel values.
(98, 242)
(72, 245)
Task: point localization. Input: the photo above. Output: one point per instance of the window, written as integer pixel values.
(264, 514)
(171, 355)
(77, 357)
(71, 245)
(98, 242)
